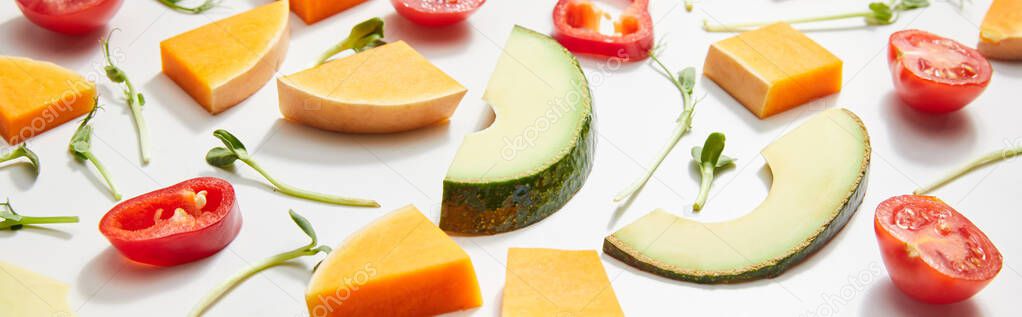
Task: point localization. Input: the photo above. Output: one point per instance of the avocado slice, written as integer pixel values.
(536, 154)
(819, 179)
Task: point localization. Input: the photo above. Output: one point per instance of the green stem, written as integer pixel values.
(248, 272)
(206, 5)
(684, 123)
(990, 158)
(140, 126)
(103, 172)
(704, 187)
(28, 220)
(738, 27)
(340, 47)
(301, 193)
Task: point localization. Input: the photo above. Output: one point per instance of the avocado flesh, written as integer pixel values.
(819, 172)
(536, 154)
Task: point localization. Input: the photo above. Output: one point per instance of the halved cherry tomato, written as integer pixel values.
(577, 27)
(932, 252)
(178, 224)
(935, 74)
(436, 12)
(69, 16)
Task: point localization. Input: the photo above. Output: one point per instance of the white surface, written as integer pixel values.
(634, 107)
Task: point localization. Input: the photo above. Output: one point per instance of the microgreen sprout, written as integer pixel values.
(984, 160)
(11, 220)
(81, 148)
(134, 99)
(19, 152)
(684, 81)
(176, 6)
(307, 250)
(233, 150)
(709, 158)
(879, 13)
(363, 36)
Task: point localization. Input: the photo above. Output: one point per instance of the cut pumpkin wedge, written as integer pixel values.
(222, 63)
(391, 88)
(399, 265)
(36, 96)
(26, 293)
(548, 282)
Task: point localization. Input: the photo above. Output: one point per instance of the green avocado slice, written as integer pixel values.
(819, 179)
(539, 150)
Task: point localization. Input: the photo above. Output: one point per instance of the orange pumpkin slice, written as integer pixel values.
(36, 96)
(399, 265)
(1000, 34)
(222, 63)
(312, 11)
(390, 88)
(548, 282)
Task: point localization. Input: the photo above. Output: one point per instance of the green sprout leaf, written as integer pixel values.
(363, 36)
(19, 152)
(203, 7)
(11, 220)
(233, 150)
(709, 158)
(81, 148)
(255, 268)
(134, 99)
(879, 13)
(684, 81)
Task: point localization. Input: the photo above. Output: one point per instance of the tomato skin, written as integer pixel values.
(634, 45)
(911, 273)
(413, 10)
(78, 22)
(929, 95)
(125, 226)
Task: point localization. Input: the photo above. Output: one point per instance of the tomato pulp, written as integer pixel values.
(577, 27)
(932, 252)
(178, 224)
(935, 74)
(72, 17)
(436, 12)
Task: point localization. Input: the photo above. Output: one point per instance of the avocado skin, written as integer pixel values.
(624, 253)
(490, 208)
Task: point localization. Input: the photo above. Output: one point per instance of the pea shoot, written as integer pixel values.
(709, 158)
(134, 99)
(684, 81)
(11, 220)
(203, 7)
(307, 250)
(365, 35)
(233, 150)
(81, 148)
(19, 152)
(879, 13)
(989, 158)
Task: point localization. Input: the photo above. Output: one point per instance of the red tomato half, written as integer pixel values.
(436, 12)
(932, 252)
(936, 74)
(69, 16)
(178, 224)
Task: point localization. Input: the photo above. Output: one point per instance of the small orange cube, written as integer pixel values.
(773, 69)
(312, 11)
(36, 96)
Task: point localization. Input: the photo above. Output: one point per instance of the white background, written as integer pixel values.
(634, 106)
